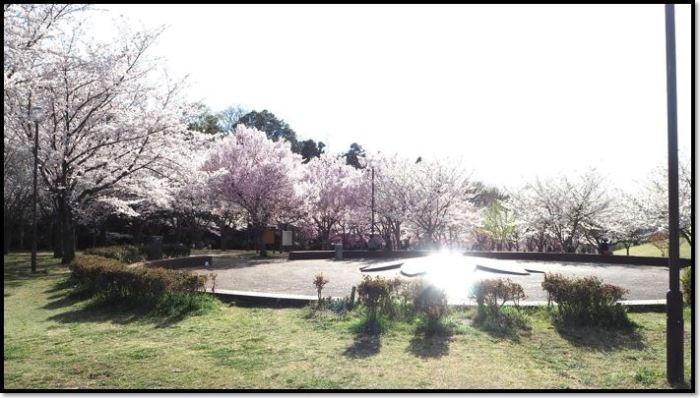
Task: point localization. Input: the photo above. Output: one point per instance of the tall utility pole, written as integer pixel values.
(674, 300)
(35, 115)
(372, 203)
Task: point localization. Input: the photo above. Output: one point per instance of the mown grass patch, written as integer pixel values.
(244, 347)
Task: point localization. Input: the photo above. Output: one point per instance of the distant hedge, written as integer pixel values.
(132, 254)
(115, 281)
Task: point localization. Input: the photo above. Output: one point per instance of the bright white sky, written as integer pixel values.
(515, 91)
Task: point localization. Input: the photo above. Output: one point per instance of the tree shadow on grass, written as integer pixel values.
(364, 346)
(506, 325)
(431, 341)
(100, 312)
(368, 338)
(601, 339)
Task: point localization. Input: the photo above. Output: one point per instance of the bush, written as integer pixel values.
(173, 250)
(319, 282)
(116, 282)
(125, 253)
(586, 300)
(492, 294)
(131, 254)
(375, 294)
(430, 302)
(687, 285)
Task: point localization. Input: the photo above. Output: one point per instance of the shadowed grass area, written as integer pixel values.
(54, 339)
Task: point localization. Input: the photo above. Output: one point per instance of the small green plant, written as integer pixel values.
(375, 294)
(431, 303)
(212, 278)
(687, 285)
(586, 300)
(320, 281)
(492, 294)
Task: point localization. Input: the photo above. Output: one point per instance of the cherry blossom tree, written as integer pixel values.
(331, 189)
(653, 201)
(441, 210)
(394, 184)
(531, 220)
(627, 224)
(258, 175)
(17, 185)
(569, 208)
(111, 125)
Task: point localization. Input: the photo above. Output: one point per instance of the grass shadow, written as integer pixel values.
(17, 272)
(601, 339)
(508, 323)
(431, 341)
(364, 346)
(98, 310)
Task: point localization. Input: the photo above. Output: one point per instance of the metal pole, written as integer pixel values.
(372, 203)
(674, 301)
(36, 150)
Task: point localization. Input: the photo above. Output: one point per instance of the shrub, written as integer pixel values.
(430, 302)
(320, 281)
(375, 294)
(586, 300)
(687, 285)
(131, 254)
(492, 294)
(125, 253)
(172, 250)
(116, 282)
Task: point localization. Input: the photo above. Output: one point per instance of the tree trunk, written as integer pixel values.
(7, 240)
(56, 236)
(67, 232)
(21, 236)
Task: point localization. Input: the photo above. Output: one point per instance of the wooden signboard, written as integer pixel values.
(268, 237)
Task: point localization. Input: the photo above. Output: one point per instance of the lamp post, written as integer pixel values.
(35, 116)
(674, 300)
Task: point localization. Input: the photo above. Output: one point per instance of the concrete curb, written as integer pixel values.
(296, 300)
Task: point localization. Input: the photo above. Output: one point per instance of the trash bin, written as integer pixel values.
(338, 251)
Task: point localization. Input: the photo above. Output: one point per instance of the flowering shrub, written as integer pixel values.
(586, 300)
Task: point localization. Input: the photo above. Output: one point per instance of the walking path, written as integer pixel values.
(455, 275)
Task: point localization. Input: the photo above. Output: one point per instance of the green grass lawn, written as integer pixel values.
(650, 250)
(53, 340)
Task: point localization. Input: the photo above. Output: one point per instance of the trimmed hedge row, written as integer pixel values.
(132, 254)
(115, 281)
(586, 300)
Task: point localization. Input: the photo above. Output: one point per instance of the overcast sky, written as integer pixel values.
(515, 91)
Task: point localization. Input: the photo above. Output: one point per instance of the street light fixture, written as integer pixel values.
(35, 115)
